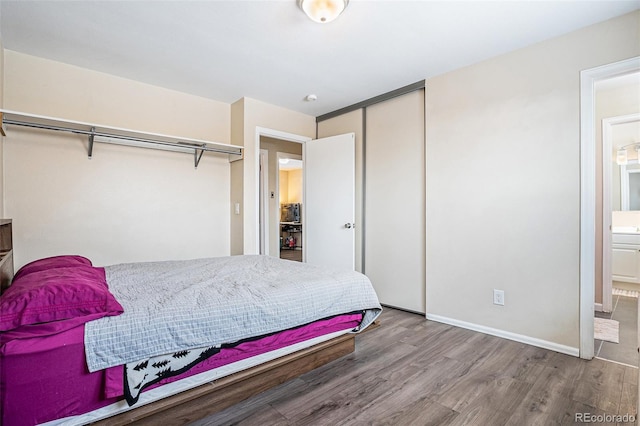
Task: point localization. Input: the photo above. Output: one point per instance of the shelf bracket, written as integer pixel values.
(3, 132)
(197, 156)
(90, 148)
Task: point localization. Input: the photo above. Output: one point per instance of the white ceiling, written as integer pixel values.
(291, 165)
(270, 51)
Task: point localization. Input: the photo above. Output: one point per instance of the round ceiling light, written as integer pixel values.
(323, 11)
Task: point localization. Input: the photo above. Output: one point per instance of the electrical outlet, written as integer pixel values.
(498, 297)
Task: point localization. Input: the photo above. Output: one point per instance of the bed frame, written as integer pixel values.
(217, 395)
(6, 254)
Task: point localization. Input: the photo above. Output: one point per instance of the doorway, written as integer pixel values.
(290, 191)
(277, 158)
(328, 213)
(616, 308)
(588, 205)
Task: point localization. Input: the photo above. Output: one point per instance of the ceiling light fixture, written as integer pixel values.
(622, 156)
(323, 11)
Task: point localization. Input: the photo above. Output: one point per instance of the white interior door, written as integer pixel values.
(329, 201)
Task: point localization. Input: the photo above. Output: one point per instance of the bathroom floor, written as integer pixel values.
(625, 311)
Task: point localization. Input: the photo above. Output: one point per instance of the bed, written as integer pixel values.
(172, 340)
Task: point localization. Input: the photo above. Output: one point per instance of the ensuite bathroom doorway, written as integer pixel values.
(616, 313)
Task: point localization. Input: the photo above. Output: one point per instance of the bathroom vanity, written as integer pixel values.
(625, 260)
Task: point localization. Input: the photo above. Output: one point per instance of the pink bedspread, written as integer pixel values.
(46, 378)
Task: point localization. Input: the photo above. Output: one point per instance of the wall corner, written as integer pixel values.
(236, 191)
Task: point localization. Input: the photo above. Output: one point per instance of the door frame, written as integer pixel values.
(588, 79)
(276, 134)
(263, 196)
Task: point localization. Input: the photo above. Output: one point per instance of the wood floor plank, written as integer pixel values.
(476, 348)
(413, 371)
(628, 399)
(552, 385)
(508, 359)
(256, 417)
(409, 388)
(599, 385)
(479, 415)
(631, 375)
(328, 412)
(420, 412)
(556, 411)
(256, 405)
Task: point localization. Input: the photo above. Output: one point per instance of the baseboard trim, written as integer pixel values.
(411, 311)
(598, 307)
(545, 344)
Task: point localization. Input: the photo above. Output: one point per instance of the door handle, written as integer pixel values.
(349, 225)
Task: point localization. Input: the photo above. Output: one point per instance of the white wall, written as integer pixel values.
(126, 204)
(503, 184)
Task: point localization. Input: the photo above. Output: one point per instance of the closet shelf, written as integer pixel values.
(119, 136)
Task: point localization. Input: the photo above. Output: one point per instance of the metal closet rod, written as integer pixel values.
(198, 149)
(184, 145)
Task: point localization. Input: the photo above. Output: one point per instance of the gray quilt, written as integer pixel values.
(178, 305)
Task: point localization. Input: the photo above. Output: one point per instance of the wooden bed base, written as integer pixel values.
(215, 396)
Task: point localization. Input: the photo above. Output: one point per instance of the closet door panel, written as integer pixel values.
(395, 201)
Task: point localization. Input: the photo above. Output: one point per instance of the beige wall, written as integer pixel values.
(351, 122)
(294, 186)
(126, 204)
(237, 179)
(290, 186)
(247, 115)
(503, 184)
(284, 186)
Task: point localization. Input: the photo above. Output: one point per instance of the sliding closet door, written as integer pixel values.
(395, 200)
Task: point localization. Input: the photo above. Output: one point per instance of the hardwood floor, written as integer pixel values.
(410, 371)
